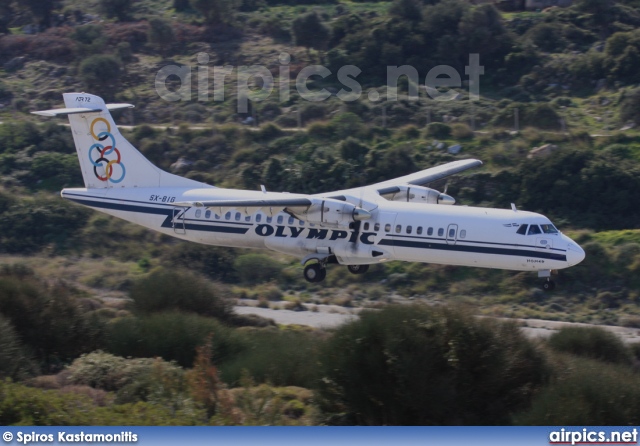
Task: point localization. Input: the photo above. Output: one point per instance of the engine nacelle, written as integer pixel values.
(331, 212)
(416, 194)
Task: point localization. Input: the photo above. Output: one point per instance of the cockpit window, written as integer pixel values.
(522, 230)
(534, 229)
(549, 229)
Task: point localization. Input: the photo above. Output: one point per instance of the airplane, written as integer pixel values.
(398, 219)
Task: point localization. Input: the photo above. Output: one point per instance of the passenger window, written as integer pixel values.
(280, 219)
(238, 216)
(522, 230)
(452, 233)
(430, 231)
(398, 229)
(409, 229)
(207, 214)
(387, 227)
(549, 229)
(376, 227)
(198, 213)
(227, 216)
(269, 219)
(291, 220)
(366, 226)
(301, 223)
(440, 232)
(419, 230)
(247, 218)
(534, 229)
(258, 218)
(216, 216)
(463, 233)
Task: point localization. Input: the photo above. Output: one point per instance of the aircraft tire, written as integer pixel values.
(358, 269)
(548, 285)
(314, 273)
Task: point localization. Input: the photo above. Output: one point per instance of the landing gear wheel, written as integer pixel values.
(549, 285)
(358, 269)
(314, 272)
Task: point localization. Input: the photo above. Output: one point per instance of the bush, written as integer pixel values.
(170, 290)
(133, 380)
(417, 365)
(15, 362)
(461, 131)
(171, 336)
(257, 268)
(438, 130)
(587, 393)
(101, 73)
(591, 342)
(21, 405)
(48, 318)
(278, 357)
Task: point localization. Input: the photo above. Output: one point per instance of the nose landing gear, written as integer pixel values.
(548, 284)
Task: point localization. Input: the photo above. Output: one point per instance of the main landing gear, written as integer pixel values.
(358, 269)
(317, 271)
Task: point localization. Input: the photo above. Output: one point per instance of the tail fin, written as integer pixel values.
(107, 159)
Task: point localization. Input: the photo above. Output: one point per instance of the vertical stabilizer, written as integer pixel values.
(107, 159)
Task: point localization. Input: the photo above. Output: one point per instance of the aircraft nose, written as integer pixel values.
(575, 254)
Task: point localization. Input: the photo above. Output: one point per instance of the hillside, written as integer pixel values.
(562, 80)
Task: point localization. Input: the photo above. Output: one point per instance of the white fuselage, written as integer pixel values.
(431, 233)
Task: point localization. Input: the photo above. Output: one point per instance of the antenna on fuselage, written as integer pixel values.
(513, 207)
(263, 189)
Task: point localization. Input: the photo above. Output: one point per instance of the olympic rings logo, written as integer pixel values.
(103, 152)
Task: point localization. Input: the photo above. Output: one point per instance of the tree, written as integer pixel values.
(101, 74)
(41, 11)
(215, 12)
(161, 35)
(421, 365)
(120, 9)
(308, 31)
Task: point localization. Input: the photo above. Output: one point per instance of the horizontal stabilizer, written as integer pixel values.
(78, 110)
(67, 111)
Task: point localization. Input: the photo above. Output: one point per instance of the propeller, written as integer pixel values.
(443, 198)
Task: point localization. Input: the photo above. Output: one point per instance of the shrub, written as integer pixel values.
(171, 336)
(591, 342)
(281, 358)
(48, 319)
(21, 405)
(438, 130)
(416, 365)
(586, 393)
(101, 73)
(15, 362)
(165, 290)
(257, 268)
(461, 131)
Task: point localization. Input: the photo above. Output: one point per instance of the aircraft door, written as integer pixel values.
(452, 234)
(177, 220)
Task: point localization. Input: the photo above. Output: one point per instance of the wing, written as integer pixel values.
(323, 211)
(426, 176)
(269, 206)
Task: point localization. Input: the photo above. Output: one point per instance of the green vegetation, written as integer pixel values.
(87, 300)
